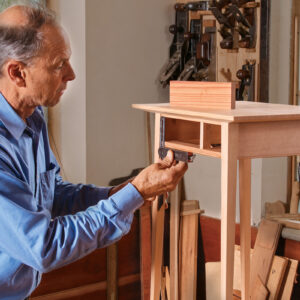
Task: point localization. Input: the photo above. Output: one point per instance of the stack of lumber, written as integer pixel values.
(272, 277)
(187, 254)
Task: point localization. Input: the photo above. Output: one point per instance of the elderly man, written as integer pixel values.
(46, 223)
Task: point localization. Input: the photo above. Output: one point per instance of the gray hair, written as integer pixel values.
(22, 43)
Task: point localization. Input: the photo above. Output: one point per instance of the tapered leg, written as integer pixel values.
(158, 216)
(174, 241)
(245, 220)
(229, 143)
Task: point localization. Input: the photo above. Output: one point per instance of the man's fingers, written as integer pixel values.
(168, 160)
(180, 167)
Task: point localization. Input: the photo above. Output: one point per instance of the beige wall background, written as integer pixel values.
(119, 48)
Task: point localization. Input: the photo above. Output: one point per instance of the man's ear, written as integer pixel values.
(16, 72)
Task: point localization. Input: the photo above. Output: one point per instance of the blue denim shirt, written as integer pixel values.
(45, 222)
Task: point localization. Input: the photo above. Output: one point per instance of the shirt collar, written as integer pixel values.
(13, 122)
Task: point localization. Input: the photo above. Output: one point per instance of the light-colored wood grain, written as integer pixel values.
(264, 249)
(163, 295)
(296, 60)
(213, 280)
(192, 212)
(203, 94)
(158, 216)
(174, 241)
(276, 276)
(157, 253)
(149, 139)
(245, 227)
(229, 140)
(112, 272)
(212, 135)
(294, 198)
(167, 273)
(269, 139)
(145, 251)
(287, 220)
(274, 208)
(260, 291)
(290, 279)
(189, 147)
(189, 248)
(244, 112)
(182, 130)
(238, 123)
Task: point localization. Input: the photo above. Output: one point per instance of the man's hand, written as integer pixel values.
(159, 178)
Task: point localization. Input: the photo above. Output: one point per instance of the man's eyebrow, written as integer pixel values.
(57, 60)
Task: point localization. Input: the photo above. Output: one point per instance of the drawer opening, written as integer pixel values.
(182, 133)
(212, 137)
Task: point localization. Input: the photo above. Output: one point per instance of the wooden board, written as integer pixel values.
(281, 280)
(290, 279)
(244, 112)
(259, 292)
(264, 249)
(145, 251)
(229, 140)
(276, 277)
(158, 217)
(112, 272)
(213, 280)
(245, 226)
(189, 247)
(294, 198)
(274, 208)
(174, 242)
(203, 94)
(288, 220)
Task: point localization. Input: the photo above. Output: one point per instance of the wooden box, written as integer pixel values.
(203, 94)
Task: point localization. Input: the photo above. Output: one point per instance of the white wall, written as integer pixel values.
(127, 44)
(68, 118)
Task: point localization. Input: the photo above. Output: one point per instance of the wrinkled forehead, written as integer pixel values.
(14, 16)
(55, 41)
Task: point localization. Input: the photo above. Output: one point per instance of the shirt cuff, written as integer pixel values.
(128, 199)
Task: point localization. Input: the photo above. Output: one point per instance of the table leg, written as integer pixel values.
(158, 216)
(174, 242)
(157, 249)
(229, 142)
(245, 224)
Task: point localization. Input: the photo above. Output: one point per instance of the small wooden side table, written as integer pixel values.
(251, 130)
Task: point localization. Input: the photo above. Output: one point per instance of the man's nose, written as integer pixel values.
(69, 74)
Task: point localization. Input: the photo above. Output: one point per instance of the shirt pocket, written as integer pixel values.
(47, 185)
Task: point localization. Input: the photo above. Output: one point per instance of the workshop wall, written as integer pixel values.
(67, 120)
(117, 59)
(127, 44)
